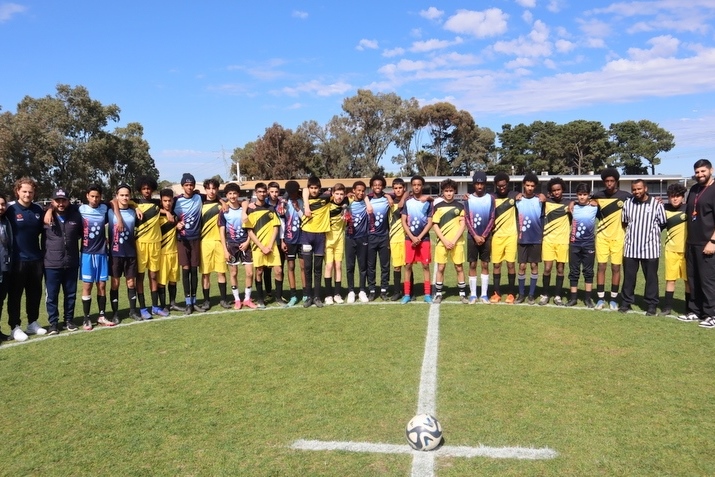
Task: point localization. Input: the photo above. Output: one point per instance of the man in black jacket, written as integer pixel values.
(60, 244)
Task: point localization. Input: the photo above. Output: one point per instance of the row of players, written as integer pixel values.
(159, 237)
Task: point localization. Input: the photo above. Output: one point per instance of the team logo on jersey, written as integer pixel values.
(620, 204)
(683, 216)
(511, 201)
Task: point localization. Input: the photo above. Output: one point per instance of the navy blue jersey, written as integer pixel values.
(27, 225)
(583, 224)
(122, 244)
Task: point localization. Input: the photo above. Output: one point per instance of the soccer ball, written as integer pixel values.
(423, 432)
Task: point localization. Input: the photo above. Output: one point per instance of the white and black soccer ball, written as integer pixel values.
(423, 432)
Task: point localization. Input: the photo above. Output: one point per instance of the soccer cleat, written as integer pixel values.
(588, 302)
(651, 311)
(189, 309)
(351, 297)
(405, 299)
(18, 335)
(308, 303)
(613, 305)
(205, 306)
(145, 315)
(437, 299)
(225, 304)
(558, 301)
(600, 304)
(159, 311)
(472, 300)
(496, 298)
(485, 299)
(428, 299)
(34, 328)
(624, 308)
(509, 299)
(689, 317)
(463, 299)
(707, 323)
(362, 296)
(383, 296)
(248, 303)
(174, 307)
(305, 298)
(87, 324)
(280, 301)
(102, 320)
(397, 296)
(544, 300)
(237, 304)
(53, 329)
(70, 326)
(371, 296)
(260, 304)
(665, 311)
(530, 300)
(292, 302)
(115, 318)
(519, 299)
(572, 302)
(135, 316)
(329, 300)
(338, 300)
(318, 302)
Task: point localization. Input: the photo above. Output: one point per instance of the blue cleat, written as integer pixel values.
(428, 299)
(145, 315)
(292, 302)
(159, 311)
(613, 305)
(405, 299)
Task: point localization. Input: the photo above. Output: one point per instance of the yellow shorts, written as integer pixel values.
(334, 248)
(397, 253)
(457, 255)
(609, 249)
(148, 255)
(555, 251)
(273, 259)
(504, 249)
(212, 257)
(169, 268)
(675, 266)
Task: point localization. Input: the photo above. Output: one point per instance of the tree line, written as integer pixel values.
(438, 139)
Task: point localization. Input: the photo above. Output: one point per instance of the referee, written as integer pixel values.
(643, 216)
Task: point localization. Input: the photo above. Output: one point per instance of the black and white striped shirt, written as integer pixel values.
(643, 225)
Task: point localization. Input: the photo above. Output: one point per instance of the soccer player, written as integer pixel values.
(378, 238)
(316, 223)
(291, 238)
(480, 209)
(674, 252)
(168, 273)
(555, 245)
(263, 226)
(610, 236)
(212, 253)
(448, 224)
(237, 246)
(356, 242)
(123, 253)
(582, 247)
(417, 222)
(397, 236)
(187, 209)
(335, 245)
(148, 240)
(504, 237)
(531, 232)
(279, 204)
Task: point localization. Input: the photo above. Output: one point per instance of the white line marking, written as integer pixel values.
(524, 453)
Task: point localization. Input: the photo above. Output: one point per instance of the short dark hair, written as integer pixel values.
(141, 181)
(378, 177)
(213, 182)
(610, 172)
(314, 181)
(166, 193)
(292, 187)
(676, 190)
(397, 181)
(530, 177)
(639, 181)
(417, 178)
(359, 183)
(447, 184)
(555, 181)
(232, 187)
(94, 187)
(702, 163)
(261, 185)
(583, 188)
(274, 184)
(123, 185)
(501, 176)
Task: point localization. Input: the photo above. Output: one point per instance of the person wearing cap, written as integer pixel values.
(27, 227)
(479, 208)
(60, 246)
(187, 209)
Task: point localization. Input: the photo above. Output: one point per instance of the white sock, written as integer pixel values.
(472, 286)
(485, 285)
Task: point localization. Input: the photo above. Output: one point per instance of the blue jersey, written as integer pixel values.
(583, 225)
(380, 213)
(418, 213)
(293, 211)
(122, 244)
(531, 225)
(232, 219)
(358, 221)
(94, 236)
(188, 210)
(27, 226)
(480, 214)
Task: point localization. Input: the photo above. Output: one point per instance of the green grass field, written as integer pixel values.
(227, 393)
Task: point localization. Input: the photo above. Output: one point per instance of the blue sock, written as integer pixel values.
(532, 284)
(522, 283)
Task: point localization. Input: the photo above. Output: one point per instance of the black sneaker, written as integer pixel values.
(4, 337)
(225, 304)
(280, 300)
(307, 303)
(318, 302)
(134, 315)
(115, 318)
(651, 311)
(572, 302)
(530, 300)
(53, 329)
(70, 326)
(205, 306)
(624, 308)
(519, 299)
(397, 296)
(371, 296)
(189, 309)
(174, 307)
(589, 303)
(665, 311)
(384, 297)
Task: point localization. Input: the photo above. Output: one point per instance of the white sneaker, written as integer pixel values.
(351, 297)
(328, 300)
(338, 299)
(34, 328)
(362, 296)
(18, 335)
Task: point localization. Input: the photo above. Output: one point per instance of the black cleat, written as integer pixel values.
(225, 304)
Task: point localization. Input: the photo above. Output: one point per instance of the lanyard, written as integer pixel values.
(697, 197)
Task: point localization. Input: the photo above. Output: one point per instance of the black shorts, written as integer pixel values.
(239, 256)
(293, 250)
(126, 266)
(189, 252)
(529, 253)
(481, 252)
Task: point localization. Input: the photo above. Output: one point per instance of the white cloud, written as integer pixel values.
(456, 59)
(550, 64)
(520, 63)
(8, 10)
(535, 44)
(554, 6)
(433, 44)
(527, 3)
(366, 44)
(480, 24)
(299, 14)
(564, 46)
(431, 13)
(662, 47)
(389, 53)
(528, 17)
(231, 89)
(318, 88)
(403, 65)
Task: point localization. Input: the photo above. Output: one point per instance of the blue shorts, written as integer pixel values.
(95, 267)
(312, 242)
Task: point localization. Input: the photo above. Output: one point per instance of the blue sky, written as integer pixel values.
(212, 75)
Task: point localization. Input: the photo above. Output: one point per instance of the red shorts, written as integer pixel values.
(422, 253)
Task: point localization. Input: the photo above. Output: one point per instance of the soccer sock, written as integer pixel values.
(236, 296)
(278, 290)
(462, 288)
(687, 302)
(86, 305)
(318, 267)
(546, 285)
(559, 285)
(600, 291)
(338, 288)
(267, 279)
(155, 299)
(472, 286)
(532, 284)
(328, 283)
(669, 299)
(162, 297)
(485, 284)
(511, 278)
(222, 290)
(194, 283)
(259, 289)
(114, 300)
(407, 287)
(172, 292)
(293, 292)
(101, 303)
(142, 303)
(186, 281)
(438, 288)
(308, 286)
(574, 295)
(614, 292)
(247, 293)
(207, 293)
(497, 283)
(522, 283)
(132, 295)
(396, 278)
(428, 288)
(412, 283)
